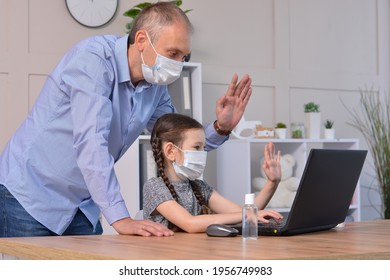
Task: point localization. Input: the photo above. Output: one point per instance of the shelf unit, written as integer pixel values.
(238, 162)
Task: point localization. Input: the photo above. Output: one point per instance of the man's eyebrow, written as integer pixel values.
(173, 49)
(186, 56)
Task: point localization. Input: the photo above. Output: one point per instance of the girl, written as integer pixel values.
(177, 198)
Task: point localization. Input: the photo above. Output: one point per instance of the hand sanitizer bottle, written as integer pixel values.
(249, 217)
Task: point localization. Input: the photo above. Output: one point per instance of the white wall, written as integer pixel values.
(296, 51)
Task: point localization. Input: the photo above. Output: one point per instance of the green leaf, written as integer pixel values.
(129, 25)
(134, 11)
(177, 3)
(143, 5)
(131, 13)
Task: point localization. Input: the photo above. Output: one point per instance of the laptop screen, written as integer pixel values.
(326, 188)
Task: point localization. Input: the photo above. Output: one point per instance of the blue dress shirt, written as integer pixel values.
(87, 115)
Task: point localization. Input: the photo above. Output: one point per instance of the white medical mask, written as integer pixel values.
(193, 164)
(164, 71)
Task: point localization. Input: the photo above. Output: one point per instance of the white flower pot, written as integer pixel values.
(329, 133)
(313, 124)
(281, 133)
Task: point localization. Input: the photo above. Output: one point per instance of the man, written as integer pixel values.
(57, 171)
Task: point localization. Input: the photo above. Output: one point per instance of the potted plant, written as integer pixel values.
(373, 121)
(136, 9)
(281, 130)
(297, 130)
(329, 131)
(313, 120)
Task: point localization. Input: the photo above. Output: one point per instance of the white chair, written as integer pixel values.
(245, 129)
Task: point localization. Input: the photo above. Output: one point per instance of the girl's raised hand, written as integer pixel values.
(271, 165)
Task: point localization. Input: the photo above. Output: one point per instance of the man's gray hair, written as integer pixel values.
(154, 17)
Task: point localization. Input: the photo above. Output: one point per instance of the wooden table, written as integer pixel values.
(359, 240)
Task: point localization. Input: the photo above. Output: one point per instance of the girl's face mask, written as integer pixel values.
(193, 164)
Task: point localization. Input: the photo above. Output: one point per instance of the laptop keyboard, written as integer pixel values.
(271, 226)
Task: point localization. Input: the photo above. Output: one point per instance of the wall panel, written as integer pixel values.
(331, 107)
(334, 36)
(243, 37)
(35, 83)
(4, 26)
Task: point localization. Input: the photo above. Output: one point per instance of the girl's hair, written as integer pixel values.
(171, 128)
(152, 18)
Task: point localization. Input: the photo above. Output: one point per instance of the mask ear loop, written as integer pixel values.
(174, 161)
(151, 44)
(179, 150)
(177, 147)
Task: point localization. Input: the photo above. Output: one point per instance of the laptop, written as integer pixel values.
(324, 194)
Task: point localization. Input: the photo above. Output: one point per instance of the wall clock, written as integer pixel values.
(92, 13)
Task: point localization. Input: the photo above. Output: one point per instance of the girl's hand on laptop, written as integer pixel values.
(265, 215)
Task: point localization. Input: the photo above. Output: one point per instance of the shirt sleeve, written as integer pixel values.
(89, 81)
(213, 139)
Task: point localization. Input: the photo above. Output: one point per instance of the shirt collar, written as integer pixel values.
(122, 60)
(123, 63)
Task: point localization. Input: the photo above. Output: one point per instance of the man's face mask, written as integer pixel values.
(193, 164)
(164, 71)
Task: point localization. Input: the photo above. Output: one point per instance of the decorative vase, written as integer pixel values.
(281, 133)
(329, 133)
(313, 123)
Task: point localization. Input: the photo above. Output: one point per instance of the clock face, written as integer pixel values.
(92, 13)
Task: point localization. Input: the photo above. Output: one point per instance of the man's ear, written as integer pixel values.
(140, 40)
(168, 150)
